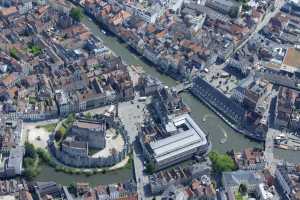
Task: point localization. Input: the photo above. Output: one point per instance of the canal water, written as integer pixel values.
(223, 137)
(217, 129)
(49, 174)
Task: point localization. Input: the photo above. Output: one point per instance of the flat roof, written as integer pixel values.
(183, 141)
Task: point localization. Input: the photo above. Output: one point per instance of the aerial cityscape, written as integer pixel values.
(150, 99)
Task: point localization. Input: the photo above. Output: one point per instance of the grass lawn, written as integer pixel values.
(239, 196)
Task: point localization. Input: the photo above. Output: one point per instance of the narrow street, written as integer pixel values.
(265, 21)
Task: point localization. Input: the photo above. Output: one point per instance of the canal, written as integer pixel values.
(208, 120)
(49, 174)
(202, 115)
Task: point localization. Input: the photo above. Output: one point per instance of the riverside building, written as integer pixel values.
(178, 140)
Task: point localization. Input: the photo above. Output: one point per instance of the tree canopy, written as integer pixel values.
(30, 151)
(76, 14)
(150, 168)
(243, 189)
(221, 162)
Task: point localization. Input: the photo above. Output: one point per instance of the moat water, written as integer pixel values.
(209, 121)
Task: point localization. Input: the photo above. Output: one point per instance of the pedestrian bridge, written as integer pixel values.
(182, 86)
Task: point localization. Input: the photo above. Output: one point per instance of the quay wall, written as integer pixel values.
(161, 65)
(210, 95)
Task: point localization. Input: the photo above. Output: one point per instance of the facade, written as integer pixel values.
(73, 147)
(210, 95)
(287, 178)
(15, 160)
(160, 181)
(224, 6)
(25, 6)
(149, 85)
(175, 192)
(12, 165)
(44, 189)
(281, 77)
(287, 108)
(92, 132)
(241, 68)
(150, 14)
(165, 104)
(10, 134)
(250, 159)
(231, 181)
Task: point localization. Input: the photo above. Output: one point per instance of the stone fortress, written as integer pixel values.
(90, 134)
(85, 134)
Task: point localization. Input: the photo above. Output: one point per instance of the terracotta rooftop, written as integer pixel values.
(8, 11)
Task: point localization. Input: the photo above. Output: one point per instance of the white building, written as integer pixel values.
(15, 160)
(263, 193)
(185, 139)
(197, 22)
(150, 14)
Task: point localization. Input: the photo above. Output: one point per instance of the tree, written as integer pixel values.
(30, 151)
(233, 13)
(76, 14)
(58, 136)
(221, 162)
(31, 169)
(88, 115)
(72, 188)
(150, 168)
(70, 119)
(43, 155)
(243, 189)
